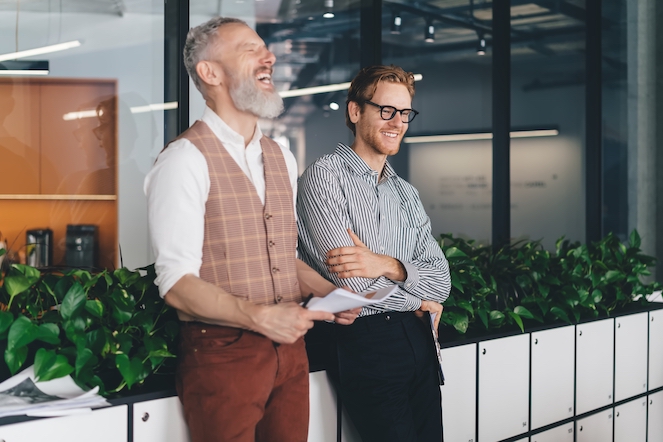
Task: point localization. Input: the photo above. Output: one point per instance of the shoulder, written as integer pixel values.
(181, 157)
(329, 165)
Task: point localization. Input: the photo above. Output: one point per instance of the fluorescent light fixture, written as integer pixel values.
(39, 51)
(324, 89)
(479, 136)
(154, 107)
(334, 106)
(24, 67)
(91, 113)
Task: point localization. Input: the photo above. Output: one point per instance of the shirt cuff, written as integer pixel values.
(412, 277)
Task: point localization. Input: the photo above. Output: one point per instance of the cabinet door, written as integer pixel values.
(322, 419)
(630, 356)
(655, 417)
(594, 365)
(631, 421)
(563, 433)
(160, 420)
(103, 425)
(655, 349)
(503, 388)
(459, 393)
(595, 428)
(553, 354)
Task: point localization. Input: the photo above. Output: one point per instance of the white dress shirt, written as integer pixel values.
(177, 188)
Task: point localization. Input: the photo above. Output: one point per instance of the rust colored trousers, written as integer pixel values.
(239, 386)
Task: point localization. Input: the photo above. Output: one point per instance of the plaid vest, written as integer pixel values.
(248, 248)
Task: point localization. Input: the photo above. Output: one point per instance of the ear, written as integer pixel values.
(209, 72)
(353, 111)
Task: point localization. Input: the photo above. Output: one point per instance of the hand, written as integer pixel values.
(347, 317)
(287, 322)
(431, 307)
(359, 260)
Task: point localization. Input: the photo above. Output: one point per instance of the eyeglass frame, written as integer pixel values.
(413, 112)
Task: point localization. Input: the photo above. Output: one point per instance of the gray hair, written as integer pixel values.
(197, 43)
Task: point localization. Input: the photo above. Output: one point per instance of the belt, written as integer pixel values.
(376, 321)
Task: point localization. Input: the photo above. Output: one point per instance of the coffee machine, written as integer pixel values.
(81, 245)
(39, 247)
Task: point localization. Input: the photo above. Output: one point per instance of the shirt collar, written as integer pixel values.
(356, 164)
(225, 132)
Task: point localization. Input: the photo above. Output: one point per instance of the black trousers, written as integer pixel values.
(387, 378)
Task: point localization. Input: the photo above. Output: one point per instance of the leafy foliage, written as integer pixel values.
(107, 329)
(522, 283)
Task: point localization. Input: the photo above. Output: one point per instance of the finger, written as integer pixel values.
(355, 239)
(341, 251)
(419, 313)
(319, 315)
(341, 259)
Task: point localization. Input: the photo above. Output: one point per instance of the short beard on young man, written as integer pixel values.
(248, 97)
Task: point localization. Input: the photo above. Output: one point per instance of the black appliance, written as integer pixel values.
(39, 247)
(81, 245)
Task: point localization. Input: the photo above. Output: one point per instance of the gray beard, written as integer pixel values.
(248, 97)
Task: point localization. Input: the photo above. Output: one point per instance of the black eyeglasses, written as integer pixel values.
(389, 112)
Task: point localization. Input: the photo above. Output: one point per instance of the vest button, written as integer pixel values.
(388, 318)
(267, 216)
(272, 244)
(275, 269)
(279, 298)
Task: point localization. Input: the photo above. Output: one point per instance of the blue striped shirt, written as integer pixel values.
(340, 191)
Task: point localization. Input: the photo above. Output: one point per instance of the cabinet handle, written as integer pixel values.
(484, 351)
(619, 325)
(145, 417)
(581, 428)
(651, 402)
(580, 333)
(536, 341)
(617, 415)
(652, 319)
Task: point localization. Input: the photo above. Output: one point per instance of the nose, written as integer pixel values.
(268, 58)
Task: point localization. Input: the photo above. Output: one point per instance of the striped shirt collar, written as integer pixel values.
(357, 165)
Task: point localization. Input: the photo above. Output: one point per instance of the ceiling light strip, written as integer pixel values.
(479, 136)
(91, 113)
(41, 50)
(324, 89)
(21, 72)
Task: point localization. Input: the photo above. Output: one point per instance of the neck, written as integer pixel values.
(244, 123)
(374, 159)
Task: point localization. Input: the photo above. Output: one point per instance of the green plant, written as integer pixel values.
(108, 329)
(522, 283)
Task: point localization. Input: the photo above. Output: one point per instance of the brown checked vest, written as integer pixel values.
(248, 248)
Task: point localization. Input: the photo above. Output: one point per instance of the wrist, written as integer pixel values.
(397, 272)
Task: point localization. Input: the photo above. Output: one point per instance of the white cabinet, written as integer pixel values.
(631, 421)
(348, 431)
(160, 420)
(655, 417)
(595, 428)
(594, 365)
(563, 433)
(102, 425)
(322, 417)
(503, 388)
(459, 393)
(630, 356)
(655, 349)
(552, 375)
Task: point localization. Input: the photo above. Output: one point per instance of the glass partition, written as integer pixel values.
(78, 136)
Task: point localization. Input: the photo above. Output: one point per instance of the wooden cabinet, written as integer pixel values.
(655, 417)
(655, 349)
(159, 420)
(503, 388)
(630, 356)
(553, 374)
(58, 149)
(631, 421)
(459, 393)
(594, 365)
(102, 425)
(563, 433)
(595, 428)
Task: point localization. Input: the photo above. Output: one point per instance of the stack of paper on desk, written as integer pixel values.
(20, 394)
(340, 299)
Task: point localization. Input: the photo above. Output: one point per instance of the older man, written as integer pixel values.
(222, 223)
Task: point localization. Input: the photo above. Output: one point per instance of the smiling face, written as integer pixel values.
(247, 67)
(377, 138)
